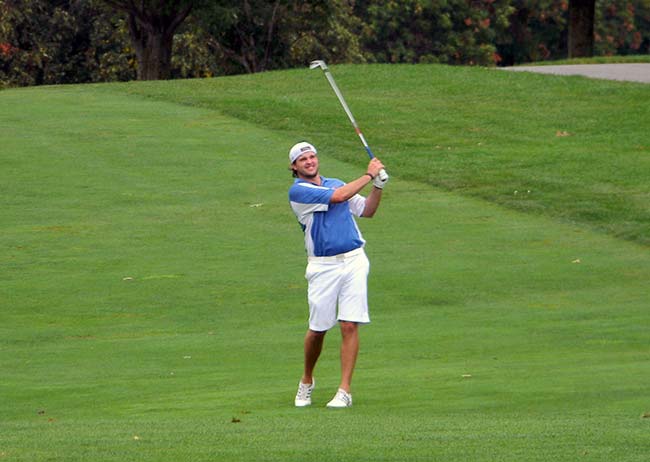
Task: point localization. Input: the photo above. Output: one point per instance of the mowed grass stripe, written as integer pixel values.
(153, 306)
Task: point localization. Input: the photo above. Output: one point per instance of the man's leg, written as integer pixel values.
(349, 351)
(313, 347)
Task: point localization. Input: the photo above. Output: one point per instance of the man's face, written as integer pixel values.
(306, 166)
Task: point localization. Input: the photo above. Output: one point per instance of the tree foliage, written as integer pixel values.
(34, 36)
(258, 35)
(451, 31)
(537, 31)
(622, 27)
(66, 41)
(50, 42)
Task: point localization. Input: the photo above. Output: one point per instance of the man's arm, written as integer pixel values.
(348, 190)
(372, 202)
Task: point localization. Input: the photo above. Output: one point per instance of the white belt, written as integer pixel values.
(339, 257)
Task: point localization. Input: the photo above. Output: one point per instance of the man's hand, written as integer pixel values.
(379, 183)
(374, 167)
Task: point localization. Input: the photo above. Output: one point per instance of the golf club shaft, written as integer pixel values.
(339, 95)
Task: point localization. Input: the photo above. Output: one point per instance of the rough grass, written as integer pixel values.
(568, 147)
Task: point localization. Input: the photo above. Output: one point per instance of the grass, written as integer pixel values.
(152, 292)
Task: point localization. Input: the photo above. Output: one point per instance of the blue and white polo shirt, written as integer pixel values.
(329, 229)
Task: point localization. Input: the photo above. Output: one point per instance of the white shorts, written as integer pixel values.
(342, 281)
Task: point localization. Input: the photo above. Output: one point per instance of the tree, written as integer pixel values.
(537, 32)
(59, 41)
(257, 35)
(152, 25)
(243, 32)
(581, 28)
(27, 48)
(451, 32)
(622, 27)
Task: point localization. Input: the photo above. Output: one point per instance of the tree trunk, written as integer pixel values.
(153, 49)
(152, 25)
(581, 28)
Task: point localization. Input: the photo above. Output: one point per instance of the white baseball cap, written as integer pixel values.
(299, 149)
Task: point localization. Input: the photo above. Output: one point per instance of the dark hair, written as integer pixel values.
(293, 171)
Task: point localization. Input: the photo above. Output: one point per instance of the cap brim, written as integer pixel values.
(302, 154)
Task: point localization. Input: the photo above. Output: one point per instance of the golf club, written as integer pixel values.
(319, 63)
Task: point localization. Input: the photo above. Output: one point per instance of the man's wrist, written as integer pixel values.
(372, 177)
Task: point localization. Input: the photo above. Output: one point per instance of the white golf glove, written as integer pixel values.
(378, 182)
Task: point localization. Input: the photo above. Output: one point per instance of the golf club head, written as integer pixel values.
(318, 63)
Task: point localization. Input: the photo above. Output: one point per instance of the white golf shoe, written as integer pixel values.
(341, 399)
(303, 397)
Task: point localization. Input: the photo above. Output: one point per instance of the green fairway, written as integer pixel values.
(152, 290)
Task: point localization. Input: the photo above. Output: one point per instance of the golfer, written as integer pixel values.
(337, 269)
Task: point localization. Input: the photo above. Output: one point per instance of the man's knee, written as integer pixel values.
(348, 328)
(315, 335)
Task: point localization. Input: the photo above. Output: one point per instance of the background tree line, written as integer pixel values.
(74, 41)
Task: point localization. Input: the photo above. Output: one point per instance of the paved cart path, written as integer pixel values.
(634, 72)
